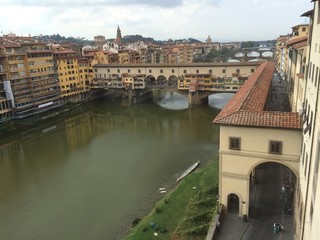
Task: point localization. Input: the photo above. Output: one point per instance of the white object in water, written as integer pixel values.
(164, 191)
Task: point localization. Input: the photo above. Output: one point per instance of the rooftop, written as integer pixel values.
(247, 107)
(298, 42)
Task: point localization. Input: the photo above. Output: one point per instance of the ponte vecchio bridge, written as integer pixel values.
(197, 80)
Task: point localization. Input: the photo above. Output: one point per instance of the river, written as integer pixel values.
(88, 172)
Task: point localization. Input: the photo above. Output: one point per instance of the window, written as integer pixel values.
(172, 71)
(139, 70)
(252, 70)
(150, 71)
(184, 71)
(223, 71)
(318, 20)
(238, 70)
(316, 79)
(311, 211)
(210, 70)
(275, 147)
(316, 171)
(197, 71)
(234, 143)
(161, 70)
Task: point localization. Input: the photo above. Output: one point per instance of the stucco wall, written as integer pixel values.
(235, 166)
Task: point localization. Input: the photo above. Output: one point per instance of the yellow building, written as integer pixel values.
(251, 137)
(85, 73)
(301, 30)
(124, 56)
(73, 76)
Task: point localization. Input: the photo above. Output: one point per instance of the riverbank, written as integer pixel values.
(175, 213)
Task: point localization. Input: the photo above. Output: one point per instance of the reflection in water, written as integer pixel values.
(87, 173)
(219, 100)
(173, 100)
(176, 101)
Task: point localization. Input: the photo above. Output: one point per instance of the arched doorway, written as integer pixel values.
(233, 203)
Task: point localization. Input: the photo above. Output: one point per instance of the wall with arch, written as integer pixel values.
(235, 166)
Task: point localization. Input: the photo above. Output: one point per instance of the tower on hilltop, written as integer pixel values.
(119, 37)
(209, 40)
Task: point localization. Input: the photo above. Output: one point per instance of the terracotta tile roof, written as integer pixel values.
(246, 108)
(39, 51)
(300, 44)
(293, 41)
(65, 51)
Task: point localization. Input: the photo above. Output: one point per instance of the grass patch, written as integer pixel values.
(181, 206)
(198, 216)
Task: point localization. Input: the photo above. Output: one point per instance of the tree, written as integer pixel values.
(221, 55)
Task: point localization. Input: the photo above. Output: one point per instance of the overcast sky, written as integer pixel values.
(223, 20)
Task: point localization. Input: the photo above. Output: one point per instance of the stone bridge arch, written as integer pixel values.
(151, 80)
(253, 54)
(267, 54)
(173, 80)
(239, 54)
(162, 80)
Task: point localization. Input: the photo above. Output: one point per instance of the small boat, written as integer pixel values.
(188, 171)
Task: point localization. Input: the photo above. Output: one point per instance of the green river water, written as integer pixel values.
(86, 173)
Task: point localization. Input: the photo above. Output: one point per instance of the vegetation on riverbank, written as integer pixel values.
(185, 212)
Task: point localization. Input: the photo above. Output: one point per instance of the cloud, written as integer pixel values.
(233, 20)
(81, 3)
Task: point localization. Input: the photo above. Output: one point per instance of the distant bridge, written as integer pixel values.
(254, 54)
(197, 80)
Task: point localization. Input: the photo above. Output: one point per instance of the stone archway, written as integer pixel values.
(272, 191)
(162, 81)
(150, 81)
(173, 81)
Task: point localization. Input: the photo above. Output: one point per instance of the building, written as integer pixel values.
(250, 137)
(297, 53)
(73, 75)
(281, 54)
(118, 39)
(5, 103)
(308, 193)
(99, 41)
(291, 139)
(29, 81)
